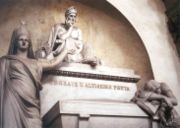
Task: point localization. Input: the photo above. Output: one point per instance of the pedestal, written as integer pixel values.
(80, 96)
(97, 114)
(80, 81)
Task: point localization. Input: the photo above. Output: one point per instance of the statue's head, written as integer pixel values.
(21, 40)
(153, 85)
(70, 16)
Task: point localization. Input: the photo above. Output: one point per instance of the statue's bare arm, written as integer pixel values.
(161, 98)
(143, 106)
(50, 64)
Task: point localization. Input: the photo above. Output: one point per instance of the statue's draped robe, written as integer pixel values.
(19, 93)
(71, 42)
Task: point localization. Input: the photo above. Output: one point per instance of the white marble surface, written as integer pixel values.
(106, 108)
(61, 88)
(57, 88)
(96, 114)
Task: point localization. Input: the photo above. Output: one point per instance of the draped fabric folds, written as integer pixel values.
(19, 94)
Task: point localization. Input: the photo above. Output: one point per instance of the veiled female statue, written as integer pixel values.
(20, 76)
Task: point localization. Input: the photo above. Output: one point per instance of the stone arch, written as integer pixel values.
(149, 20)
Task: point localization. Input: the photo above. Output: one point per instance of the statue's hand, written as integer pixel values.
(70, 51)
(168, 102)
(55, 53)
(91, 61)
(59, 48)
(134, 99)
(169, 124)
(94, 61)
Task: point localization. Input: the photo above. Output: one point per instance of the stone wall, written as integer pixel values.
(149, 20)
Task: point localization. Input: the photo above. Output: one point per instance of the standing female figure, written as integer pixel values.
(20, 75)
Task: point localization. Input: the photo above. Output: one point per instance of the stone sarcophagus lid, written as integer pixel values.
(75, 93)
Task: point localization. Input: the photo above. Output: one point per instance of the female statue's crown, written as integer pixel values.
(71, 10)
(22, 30)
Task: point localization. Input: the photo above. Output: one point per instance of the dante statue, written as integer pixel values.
(69, 36)
(158, 93)
(20, 76)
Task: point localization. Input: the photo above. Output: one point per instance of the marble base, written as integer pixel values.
(96, 114)
(80, 81)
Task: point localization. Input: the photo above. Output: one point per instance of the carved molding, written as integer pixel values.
(134, 79)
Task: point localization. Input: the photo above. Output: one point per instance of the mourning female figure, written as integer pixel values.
(20, 76)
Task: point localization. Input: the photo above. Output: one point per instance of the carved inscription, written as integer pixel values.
(93, 85)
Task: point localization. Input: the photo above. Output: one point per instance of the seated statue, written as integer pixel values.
(66, 35)
(159, 94)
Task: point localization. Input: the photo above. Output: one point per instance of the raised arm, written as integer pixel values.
(144, 107)
(65, 35)
(160, 97)
(50, 64)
